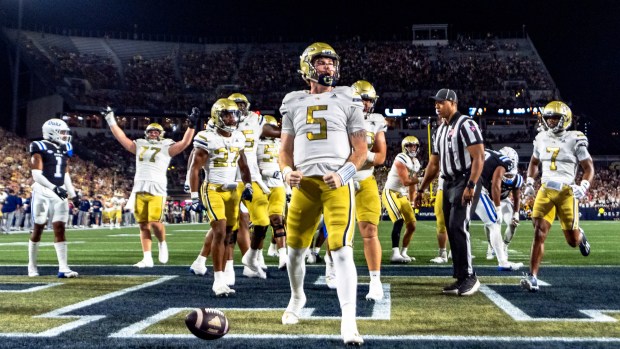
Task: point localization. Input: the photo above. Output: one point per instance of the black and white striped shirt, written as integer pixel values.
(450, 144)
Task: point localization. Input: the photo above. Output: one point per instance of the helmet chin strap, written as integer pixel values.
(326, 80)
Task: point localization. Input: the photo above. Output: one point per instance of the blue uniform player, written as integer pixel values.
(49, 164)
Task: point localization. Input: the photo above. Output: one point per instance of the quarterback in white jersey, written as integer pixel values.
(398, 194)
(323, 145)
(153, 154)
(219, 150)
(367, 200)
(561, 152)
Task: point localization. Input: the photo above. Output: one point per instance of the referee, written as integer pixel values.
(458, 156)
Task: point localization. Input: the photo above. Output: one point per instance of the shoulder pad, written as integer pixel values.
(37, 147)
(293, 95)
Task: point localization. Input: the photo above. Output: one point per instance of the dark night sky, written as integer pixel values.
(578, 41)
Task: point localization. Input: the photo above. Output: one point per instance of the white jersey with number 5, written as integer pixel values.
(321, 124)
(152, 160)
(223, 154)
(560, 155)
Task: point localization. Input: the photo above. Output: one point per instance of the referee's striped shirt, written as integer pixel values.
(450, 144)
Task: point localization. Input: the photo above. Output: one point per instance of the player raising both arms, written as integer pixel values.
(561, 152)
(49, 164)
(153, 154)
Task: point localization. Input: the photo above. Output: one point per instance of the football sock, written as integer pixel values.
(61, 254)
(33, 252)
(201, 260)
(148, 256)
(374, 275)
(396, 228)
(346, 280)
(296, 270)
(443, 253)
(403, 251)
(495, 237)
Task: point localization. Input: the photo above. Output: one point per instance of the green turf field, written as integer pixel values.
(114, 305)
(122, 246)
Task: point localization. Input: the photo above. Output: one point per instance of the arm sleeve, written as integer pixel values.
(38, 177)
(69, 186)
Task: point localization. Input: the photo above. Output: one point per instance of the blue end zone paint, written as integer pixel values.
(562, 299)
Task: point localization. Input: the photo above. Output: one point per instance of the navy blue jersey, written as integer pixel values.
(492, 160)
(509, 185)
(55, 158)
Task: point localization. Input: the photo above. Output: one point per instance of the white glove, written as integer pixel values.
(109, 116)
(498, 212)
(529, 187)
(579, 191)
(515, 219)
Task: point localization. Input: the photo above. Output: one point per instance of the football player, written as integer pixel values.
(118, 201)
(487, 203)
(253, 126)
(268, 148)
(367, 200)
(398, 194)
(512, 182)
(219, 151)
(561, 152)
(323, 145)
(153, 154)
(49, 164)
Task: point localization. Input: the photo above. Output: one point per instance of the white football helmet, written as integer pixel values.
(57, 131)
(514, 159)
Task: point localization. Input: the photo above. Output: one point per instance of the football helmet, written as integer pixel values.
(271, 120)
(240, 99)
(514, 160)
(365, 90)
(220, 107)
(306, 64)
(557, 109)
(57, 131)
(154, 126)
(408, 141)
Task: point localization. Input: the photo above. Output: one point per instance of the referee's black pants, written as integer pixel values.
(457, 219)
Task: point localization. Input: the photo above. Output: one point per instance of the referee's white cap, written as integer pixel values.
(445, 94)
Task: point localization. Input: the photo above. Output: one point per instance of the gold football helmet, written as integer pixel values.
(220, 107)
(365, 90)
(306, 64)
(557, 109)
(271, 120)
(154, 126)
(409, 141)
(240, 99)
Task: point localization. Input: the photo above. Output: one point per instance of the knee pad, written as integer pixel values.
(278, 230)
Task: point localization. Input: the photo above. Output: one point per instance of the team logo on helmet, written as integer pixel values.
(306, 64)
(57, 131)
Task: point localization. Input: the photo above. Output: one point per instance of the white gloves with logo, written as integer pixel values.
(579, 191)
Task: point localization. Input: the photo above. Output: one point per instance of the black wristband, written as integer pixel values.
(471, 184)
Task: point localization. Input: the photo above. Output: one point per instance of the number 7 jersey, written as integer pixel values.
(560, 155)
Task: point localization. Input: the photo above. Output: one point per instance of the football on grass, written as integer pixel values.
(207, 323)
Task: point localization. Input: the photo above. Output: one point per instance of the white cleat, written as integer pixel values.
(282, 261)
(330, 280)
(33, 271)
(350, 334)
(229, 276)
(510, 266)
(375, 291)
(407, 258)
(222, 290)
(198, 269)
(311, 259)
(273, 250)
(291, 314)
(252, 269)
(397, 259)
(261, 261)
(163, 252)
(144, 264)
(439, 260)
(67, 274)
(490, 253)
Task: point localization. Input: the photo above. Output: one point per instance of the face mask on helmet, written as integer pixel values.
(242, 103)
(559, 111)
(225, 115)
(307, 64)
(410, 146)
(367, 92)
(57, 131)
(154, 127)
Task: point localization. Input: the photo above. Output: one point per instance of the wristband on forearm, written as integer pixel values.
(529, 181)
(370, 157)
(194, 195)
(346, 172)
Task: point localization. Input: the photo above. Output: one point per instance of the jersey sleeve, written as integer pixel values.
(581, 146)
(36, 147)
(470, 133)
(201, 140)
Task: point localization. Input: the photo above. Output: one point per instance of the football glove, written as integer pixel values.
(62, 193)
(193, 118)
(515, 219)
(247, 193)
(529, 187)
(186, 187)
(579, 191)
(108, 114)
(196, 205)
